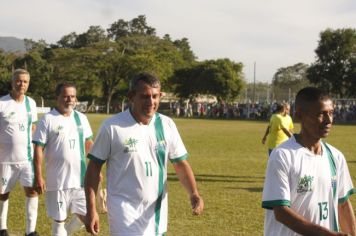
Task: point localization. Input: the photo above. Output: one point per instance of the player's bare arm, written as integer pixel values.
(186, 177)
(347, 218)
(88, 144)
(91, 183)
(39, 183)
(299, 224)
(265, 135)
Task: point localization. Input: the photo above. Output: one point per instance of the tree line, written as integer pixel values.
(102, 61)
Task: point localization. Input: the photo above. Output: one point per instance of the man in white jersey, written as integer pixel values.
(307, 185)
(63, 137)
(137, 144)
(18, 116)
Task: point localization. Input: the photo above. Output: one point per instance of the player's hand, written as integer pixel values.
(40, 185)
(197, 204)
(92, 223)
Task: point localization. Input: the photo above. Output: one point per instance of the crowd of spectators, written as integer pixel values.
(345, 110)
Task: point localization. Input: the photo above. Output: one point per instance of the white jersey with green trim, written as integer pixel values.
(136, 158)
(16, 120)
(312, 185)
(63, 140)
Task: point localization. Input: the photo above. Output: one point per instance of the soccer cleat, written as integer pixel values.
(4, 232)
(32, 234)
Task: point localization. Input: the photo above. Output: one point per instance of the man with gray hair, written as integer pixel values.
(136, 145)
(18, 116)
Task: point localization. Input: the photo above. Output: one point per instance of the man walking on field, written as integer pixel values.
(137, 144)
(308, 185)
(18, 116)
(65, 136)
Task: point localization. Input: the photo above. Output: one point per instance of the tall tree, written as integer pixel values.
(222, 78)
(289, 80)
(335, 67)
(121, 60)
(137, 26)
(184, 48)
(68, 41)
(40, 71)
(5, 72)
(39, 45)
(93, 35)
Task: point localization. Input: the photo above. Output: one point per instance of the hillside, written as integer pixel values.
(12, 44)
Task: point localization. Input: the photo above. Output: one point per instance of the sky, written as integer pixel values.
(269, 33)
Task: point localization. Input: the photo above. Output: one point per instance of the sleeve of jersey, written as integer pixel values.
(177, 150)
(40, 136)
(276, 190)
(345, 187)
(102, 145)
(88, 133)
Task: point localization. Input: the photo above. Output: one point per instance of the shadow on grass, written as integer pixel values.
(220, 178)
(252, 189)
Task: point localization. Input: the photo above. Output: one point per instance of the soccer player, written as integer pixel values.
(280, 127)
(307, 185)
(18, 115)
(136, 145)
(63, 137)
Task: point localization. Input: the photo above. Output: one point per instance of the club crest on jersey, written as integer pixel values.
(305, 184)
(130, 145)
(161, 145)
(59, 129)
(10, 115)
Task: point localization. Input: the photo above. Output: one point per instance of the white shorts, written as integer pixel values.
(127, 219)
(11, 173)
(59, 202)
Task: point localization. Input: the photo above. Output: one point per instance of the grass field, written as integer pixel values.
(229, 163)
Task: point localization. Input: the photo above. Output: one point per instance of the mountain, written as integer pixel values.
(12, 44)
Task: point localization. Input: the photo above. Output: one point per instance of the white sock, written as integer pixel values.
(74, 225)
(31, 214)
(58, 229)
(4, 207)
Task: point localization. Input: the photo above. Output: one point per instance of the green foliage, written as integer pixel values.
(5, 72)
(40, 72)
(289, 80)
(222, 78)
(137, 26)
(335, 67)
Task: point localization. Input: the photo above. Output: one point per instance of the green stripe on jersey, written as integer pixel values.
(333, 183)
(81, 146)
(178, 159)
(38, 143)
(29, 128)
(161, 153)
(29, 132)
(270, 204)
(348, 194)
(95, 159)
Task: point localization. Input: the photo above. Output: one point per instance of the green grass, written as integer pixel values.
(229, 163)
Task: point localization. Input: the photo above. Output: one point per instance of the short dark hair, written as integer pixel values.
(279, 108)
(145, 77)
(308, 95)
(63, 85)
